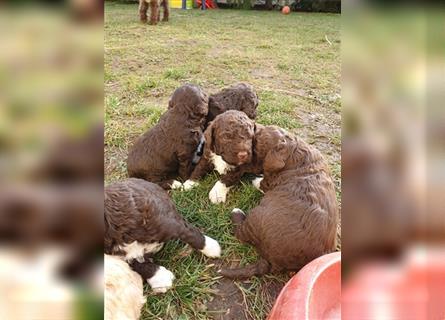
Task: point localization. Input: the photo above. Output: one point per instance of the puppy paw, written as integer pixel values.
(257, 183)
(176, 185)
(218, 194)
(238, 216)
(161, 281)
(189, 184)
(140, 259)
(212, 248)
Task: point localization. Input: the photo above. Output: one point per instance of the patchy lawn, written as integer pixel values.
(294, 64)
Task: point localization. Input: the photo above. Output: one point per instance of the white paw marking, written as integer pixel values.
(218, 193)
(136, 250)
(189, 184)
(176, 185)
(212, 248)
(220, 165)
(237, 210)
(257, 183)
(161, 281)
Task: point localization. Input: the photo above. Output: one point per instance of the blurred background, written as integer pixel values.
(51, 160)
(393, 160)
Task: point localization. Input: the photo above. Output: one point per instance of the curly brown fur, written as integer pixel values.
(230, 136)
(296, 221)
(139, 217)
(265, 139)
(137, 210)
(240, 97)
(155, 13)
(168, 148)
(221, 142)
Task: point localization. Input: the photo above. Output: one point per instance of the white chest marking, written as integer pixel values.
(220, 165)
(136, 250)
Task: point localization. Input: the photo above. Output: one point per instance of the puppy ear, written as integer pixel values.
(276, 158)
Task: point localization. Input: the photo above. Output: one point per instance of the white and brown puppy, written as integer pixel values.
(123, 296)
(139, 218)
(240, 96)
(235, 129)
(229, 144)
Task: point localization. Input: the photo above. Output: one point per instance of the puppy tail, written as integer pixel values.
(259, 268)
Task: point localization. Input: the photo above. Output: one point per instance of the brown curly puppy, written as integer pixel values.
(228, 144)
(168, 148)
(239, 96)
(296, 221)
(155, 12)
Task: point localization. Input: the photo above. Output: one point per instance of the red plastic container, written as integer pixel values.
(314, 293)
(410, 289)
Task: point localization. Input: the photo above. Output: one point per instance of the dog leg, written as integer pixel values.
(257, 183)
(143, 7)
(176, 185)
(219, 192)
(159, 278)
(192, 236)
(153, 12)
(238, 217)
(166, 10)
(168, 184)
(202, 168)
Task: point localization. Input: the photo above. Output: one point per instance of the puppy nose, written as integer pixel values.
(242, 156)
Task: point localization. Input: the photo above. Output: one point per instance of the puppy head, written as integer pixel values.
(190, 99)
(240, 97)
(231, 135)
(249, 99)
(276, 158)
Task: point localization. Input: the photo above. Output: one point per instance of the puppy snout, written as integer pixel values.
(243, 156)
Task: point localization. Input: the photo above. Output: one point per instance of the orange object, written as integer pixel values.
(313, 293)
(285, 10)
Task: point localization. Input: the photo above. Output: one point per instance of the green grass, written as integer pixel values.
(296, 73)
